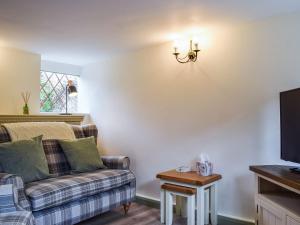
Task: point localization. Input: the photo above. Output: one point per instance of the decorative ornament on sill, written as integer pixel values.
(26, 97)
(191, 55)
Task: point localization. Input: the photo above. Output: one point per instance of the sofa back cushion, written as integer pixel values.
(4, 136)
(25, 158)
(56, 159)
(82, 154)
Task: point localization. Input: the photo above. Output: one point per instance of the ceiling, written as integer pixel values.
(83, 31)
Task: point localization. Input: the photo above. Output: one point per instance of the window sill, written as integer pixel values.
(71, 119)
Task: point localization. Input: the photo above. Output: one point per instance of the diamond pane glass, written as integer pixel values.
(53, 92)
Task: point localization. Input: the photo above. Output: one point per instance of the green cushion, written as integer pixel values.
(82, 154)
(25, 158)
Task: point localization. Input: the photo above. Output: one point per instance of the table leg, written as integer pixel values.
(162, 206)
(257, 209)
(207, 206)
(169, 208)
(178, 205)
(200, 206)
(191, 210)
(214, 204)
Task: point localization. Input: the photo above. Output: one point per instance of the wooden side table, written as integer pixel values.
(200, 183)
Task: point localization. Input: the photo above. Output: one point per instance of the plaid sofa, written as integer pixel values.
(67, 198)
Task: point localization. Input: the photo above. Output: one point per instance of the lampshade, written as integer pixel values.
(72, 90)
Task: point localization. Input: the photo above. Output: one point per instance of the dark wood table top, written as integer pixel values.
(188, 177)
(281, 174)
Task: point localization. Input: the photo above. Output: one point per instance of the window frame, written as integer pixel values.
(58, 97)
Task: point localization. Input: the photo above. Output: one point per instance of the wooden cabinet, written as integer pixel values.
(277, 195)
(268, 215)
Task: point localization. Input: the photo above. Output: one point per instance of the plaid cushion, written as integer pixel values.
(17, 182)
(4, 136)
(17, 218)
(56, 191)
(90, 130)
(116, 162)
(78, 131)
(77, 211)
(57, 161)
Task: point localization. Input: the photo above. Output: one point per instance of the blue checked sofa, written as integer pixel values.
(68, 198)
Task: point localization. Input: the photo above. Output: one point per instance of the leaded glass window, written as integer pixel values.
(53, 92)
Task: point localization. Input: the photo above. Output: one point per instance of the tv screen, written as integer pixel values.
(290, 125)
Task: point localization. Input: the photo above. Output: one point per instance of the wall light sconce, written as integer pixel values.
(191, 55)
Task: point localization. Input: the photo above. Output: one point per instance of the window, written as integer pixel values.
(53, 92)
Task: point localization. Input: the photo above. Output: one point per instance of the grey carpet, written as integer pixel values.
(138, 215)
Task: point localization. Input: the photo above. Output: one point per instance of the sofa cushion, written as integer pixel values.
(57, 163)
(78, 131)
(60, 190)
(82, 209)
(4, 135)
(82, 154)
(25, 158)
(90, 130)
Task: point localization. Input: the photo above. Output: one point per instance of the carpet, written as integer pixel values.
(137, 215)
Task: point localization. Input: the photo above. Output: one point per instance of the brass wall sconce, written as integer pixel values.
(191, 55)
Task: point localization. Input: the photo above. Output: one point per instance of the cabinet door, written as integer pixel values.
(291, 221)
(269, 216)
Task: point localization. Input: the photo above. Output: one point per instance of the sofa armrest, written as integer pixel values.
(6, 178)
(116, 162)
(9, 198)
(18, 183)
(17, 218)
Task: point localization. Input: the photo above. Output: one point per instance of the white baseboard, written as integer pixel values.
(246, 220)
(147, 197)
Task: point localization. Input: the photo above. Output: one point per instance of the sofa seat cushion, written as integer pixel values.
(60, 190)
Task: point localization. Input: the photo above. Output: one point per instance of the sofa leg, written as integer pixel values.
(126, 207)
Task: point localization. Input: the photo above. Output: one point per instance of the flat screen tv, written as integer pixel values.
(290, 125)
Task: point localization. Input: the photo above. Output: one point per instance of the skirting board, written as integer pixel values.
(222, 219)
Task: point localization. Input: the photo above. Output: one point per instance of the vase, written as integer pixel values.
(25, 110)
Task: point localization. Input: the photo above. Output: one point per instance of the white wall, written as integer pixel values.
(163, 114)
(61, 67)
(19, 72)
